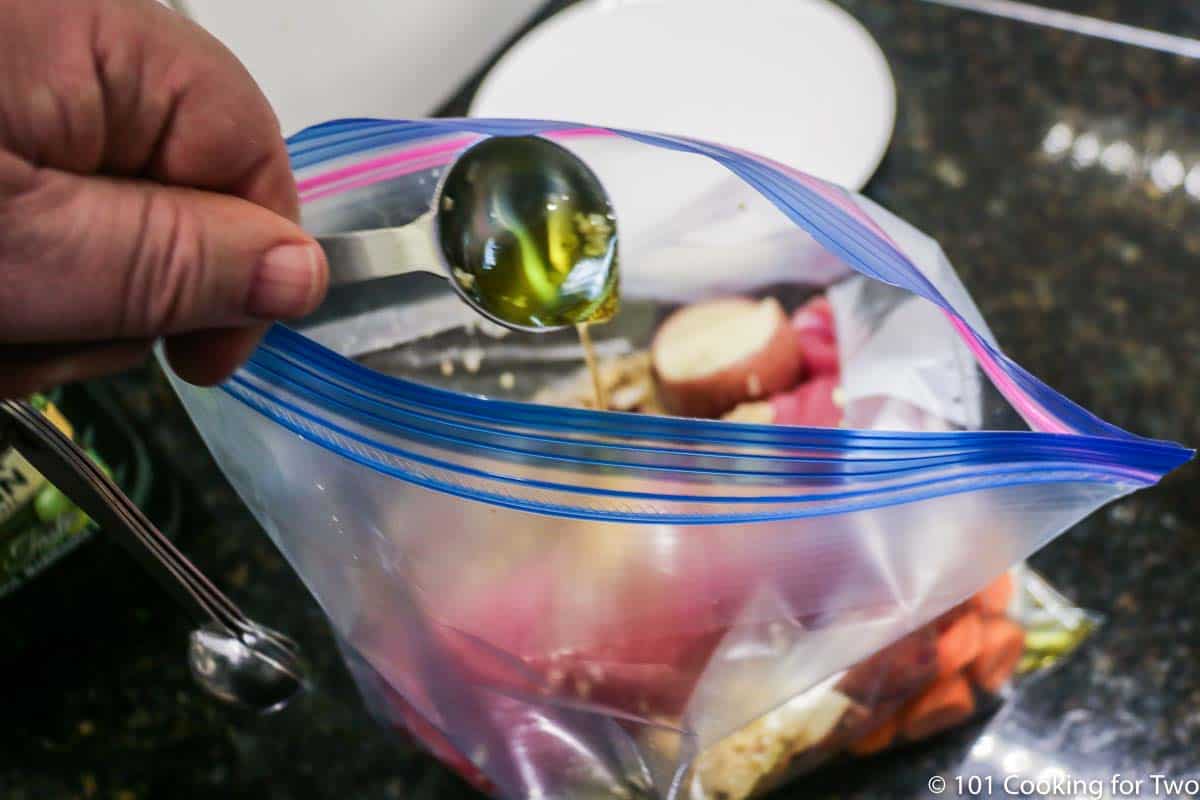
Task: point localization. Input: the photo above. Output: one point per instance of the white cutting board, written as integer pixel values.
(321, 59)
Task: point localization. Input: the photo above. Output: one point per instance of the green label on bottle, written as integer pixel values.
(19, 482)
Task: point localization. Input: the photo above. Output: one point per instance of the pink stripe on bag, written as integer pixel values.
(423, 152)
(1030, 411)
(835, 194)
(579, 133)
(406, 162)
(378, 176)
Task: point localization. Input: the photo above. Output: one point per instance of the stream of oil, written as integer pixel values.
(530, 237)
(599, 400)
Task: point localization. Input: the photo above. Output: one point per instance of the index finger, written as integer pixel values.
(200, 120)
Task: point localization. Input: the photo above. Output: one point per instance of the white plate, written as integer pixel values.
(800, 81)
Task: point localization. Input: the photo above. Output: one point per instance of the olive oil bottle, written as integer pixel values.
(21, 485)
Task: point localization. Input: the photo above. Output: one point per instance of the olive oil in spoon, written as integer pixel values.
(520, 227)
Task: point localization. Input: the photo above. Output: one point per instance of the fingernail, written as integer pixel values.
(285, 281)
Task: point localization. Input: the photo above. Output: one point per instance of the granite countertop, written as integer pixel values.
(1054, 170)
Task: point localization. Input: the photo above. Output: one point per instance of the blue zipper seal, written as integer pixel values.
(584, 440)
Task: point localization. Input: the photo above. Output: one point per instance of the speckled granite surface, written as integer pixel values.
(1085, 266)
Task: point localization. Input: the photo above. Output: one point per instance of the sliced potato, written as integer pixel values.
(711, 356)
(756, 412)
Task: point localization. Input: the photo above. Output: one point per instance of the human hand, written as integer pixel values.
(145, 192)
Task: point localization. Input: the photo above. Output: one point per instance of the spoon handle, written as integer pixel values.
(364, 255)
(64, 464)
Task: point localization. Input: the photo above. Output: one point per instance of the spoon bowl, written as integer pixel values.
(528, 235)
(244, 669)
(255, 667)
(521, 228)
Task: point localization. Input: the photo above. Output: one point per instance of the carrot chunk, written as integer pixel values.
(877, 739)
(946, 703)
(959, 643)
(1003, 646)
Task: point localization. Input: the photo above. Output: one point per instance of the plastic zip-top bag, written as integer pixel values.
(572, 602)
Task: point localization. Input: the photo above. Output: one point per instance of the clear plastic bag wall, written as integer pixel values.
(570, 602)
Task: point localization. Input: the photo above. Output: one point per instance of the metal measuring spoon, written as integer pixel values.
(249, 669)
(232, 657)
(519, 226)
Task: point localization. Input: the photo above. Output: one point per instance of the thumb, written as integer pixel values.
(93, 258)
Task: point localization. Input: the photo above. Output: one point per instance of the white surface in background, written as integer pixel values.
(800, 81)
(321, 59)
